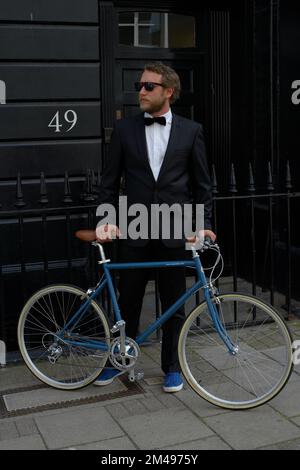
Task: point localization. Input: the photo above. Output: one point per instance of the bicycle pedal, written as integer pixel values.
(135, 376)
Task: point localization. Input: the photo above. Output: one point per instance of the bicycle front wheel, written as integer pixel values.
(260, 364)
(62, 350)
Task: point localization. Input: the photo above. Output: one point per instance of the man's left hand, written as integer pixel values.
(202, 234)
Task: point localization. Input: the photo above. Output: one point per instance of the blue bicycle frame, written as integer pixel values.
(107, 281)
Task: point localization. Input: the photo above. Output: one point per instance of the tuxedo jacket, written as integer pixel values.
(183, 179)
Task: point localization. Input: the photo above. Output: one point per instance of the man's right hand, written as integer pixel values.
(107, 233)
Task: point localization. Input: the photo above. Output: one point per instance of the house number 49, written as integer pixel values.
(70, 117)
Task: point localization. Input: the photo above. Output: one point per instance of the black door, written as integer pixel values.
(194, 41)
(172, 36)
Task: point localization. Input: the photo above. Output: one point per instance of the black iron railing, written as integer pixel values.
(263, 234)
(255, 229)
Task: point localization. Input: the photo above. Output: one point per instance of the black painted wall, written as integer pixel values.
(50, 63)
(290, 85)
(51, 123)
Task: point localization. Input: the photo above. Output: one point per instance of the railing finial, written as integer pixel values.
(88, 193)
(270, 185)
(43, 190)
(20, 200)
(67, 189)
(251, 185)
(214, 180)
(288, 178)
(232, 186)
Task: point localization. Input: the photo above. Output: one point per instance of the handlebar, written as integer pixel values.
(90, 236)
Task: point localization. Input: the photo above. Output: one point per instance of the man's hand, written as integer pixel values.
(202, 234)
(208, 233)
(107, 233)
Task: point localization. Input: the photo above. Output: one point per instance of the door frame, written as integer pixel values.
(110, 50)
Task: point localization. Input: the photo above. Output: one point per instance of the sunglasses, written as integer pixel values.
(149, 86)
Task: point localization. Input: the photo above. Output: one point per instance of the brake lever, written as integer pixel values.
(208, 243)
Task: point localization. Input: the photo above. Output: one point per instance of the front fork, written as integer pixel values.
(212, 302)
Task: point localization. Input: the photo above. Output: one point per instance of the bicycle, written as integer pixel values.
(235, 350)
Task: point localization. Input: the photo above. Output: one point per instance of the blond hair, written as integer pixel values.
(170, 78)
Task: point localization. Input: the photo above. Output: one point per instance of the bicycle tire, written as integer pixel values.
(261, 365)
(55, 360)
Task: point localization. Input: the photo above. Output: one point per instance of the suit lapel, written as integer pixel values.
(172, 144)
(142, 143)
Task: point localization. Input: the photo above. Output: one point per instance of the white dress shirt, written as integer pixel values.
(157, 137)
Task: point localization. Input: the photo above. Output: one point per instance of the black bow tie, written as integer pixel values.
(160, 119)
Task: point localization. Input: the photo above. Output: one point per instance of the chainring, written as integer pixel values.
(130, 357)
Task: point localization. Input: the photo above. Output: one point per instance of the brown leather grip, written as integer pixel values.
(86, 235)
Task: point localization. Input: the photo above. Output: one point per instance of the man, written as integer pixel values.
(163, 161)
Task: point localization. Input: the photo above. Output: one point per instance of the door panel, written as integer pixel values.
(189, 63)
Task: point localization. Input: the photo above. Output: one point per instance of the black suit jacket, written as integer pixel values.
(183, 178)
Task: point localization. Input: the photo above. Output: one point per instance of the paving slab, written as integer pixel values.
(154, 380)
(209, 443)
(152, 403)
(163, 428)
(16, 376)
(296, 420)
(26, 426)
(77, 427)
(23, 443)
(287, 402)
(254, 428)
(8, 430)
(117, 410)
(168, 400)
(287, 445)
(120, 443)
(197, 404)
(149, 419)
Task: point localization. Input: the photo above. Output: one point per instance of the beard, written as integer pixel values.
(152, 107)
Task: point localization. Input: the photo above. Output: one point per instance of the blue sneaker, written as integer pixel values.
(173, 382)
(107, 376)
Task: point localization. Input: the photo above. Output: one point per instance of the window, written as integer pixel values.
(154, 29)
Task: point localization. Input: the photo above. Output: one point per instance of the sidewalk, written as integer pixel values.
(129, 416)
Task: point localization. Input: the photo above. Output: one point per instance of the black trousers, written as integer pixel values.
(171, 284)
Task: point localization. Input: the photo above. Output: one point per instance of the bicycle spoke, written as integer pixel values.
(51, 351)
(254, 371)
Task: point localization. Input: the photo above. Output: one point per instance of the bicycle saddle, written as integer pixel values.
(86, 235)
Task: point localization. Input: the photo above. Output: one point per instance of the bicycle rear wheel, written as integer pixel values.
(261, 364)
(64, 358)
